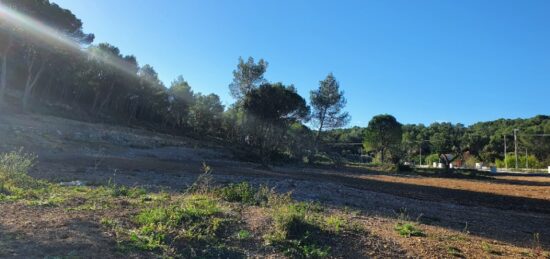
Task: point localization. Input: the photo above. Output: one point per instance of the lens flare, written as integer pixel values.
(48, 37)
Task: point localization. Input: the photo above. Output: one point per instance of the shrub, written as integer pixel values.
(241, 192)
(15, 183)
(431, 159)
(297, 228)
(195, 222)
(243, 234)
(408, 230)
(335, 223)
(532, 161)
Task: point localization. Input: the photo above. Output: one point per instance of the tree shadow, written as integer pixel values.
(81, 238)
(506, 218)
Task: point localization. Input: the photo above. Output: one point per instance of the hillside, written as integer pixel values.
(472, 217)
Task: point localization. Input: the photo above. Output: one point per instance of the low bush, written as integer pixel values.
(241, 192)
(192, 225)
(299, 228)
(408, 230)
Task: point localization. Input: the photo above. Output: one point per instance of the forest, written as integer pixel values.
(64, 72)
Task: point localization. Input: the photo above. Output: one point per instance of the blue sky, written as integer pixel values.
(421, 61)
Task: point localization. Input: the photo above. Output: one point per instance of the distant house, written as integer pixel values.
(454, 161)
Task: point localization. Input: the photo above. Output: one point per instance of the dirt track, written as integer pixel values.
(505, 210)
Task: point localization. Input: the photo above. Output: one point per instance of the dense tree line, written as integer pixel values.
(390, 141)
(48, 63)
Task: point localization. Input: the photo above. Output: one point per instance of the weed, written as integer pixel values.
(458, 237)
(335, 223)
(301, 249)
(109, 223)
(489, 249)
(134, 192)
(408, 230)
(243, 234)
(297, 227)
(454, 251)
(203, 184)
(195, 221)
(536, 247)
(241, 192)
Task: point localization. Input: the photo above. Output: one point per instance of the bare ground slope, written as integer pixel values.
(464, 214)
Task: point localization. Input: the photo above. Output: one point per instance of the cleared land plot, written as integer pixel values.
(506, 216)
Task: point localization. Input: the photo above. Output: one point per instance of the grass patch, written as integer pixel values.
(451, 250)
(300, 230)
(204, 221)
(243, 193)
(243, 235)
(335, 223)
(193, 225)
(489, 249)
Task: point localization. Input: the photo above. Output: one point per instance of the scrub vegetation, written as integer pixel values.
(202, 221)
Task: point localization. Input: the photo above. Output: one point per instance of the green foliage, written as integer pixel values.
(335, 223)
(299, 228)
(246, 194)
(134, 192)
(408, 230)
(193, 224)
(243, 234)
(294, 230)
(248, 76)
(327, 102)
(432, 158)
(241, 192)
(523, 161)
(16, 184)
(270, 110)
(383, 136)
(196, 221)
(276, 103)
(302, 249)
(206, 114)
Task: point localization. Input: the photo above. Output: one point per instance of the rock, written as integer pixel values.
(73, 183)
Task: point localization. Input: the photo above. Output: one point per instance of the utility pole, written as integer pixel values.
(526, 160)
(505, 154)
(420, 154)
(516, 146)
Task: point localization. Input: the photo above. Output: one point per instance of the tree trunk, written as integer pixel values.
(31, 81)
(321, 124)
(4, 70)
(108, 98)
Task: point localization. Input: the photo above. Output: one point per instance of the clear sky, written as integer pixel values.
(421, 61)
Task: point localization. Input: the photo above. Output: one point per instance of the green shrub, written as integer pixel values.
(196, 221)
(335, 223)
(532, 161)
(123, 191)
(301, 249)
(244, 193)
(408, 230)
(15, 183)
(431, 159)
(241, 192)
(243, 234)
(297, 228)
(16, 162)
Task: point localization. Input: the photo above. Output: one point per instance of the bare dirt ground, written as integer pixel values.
(461, 217)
